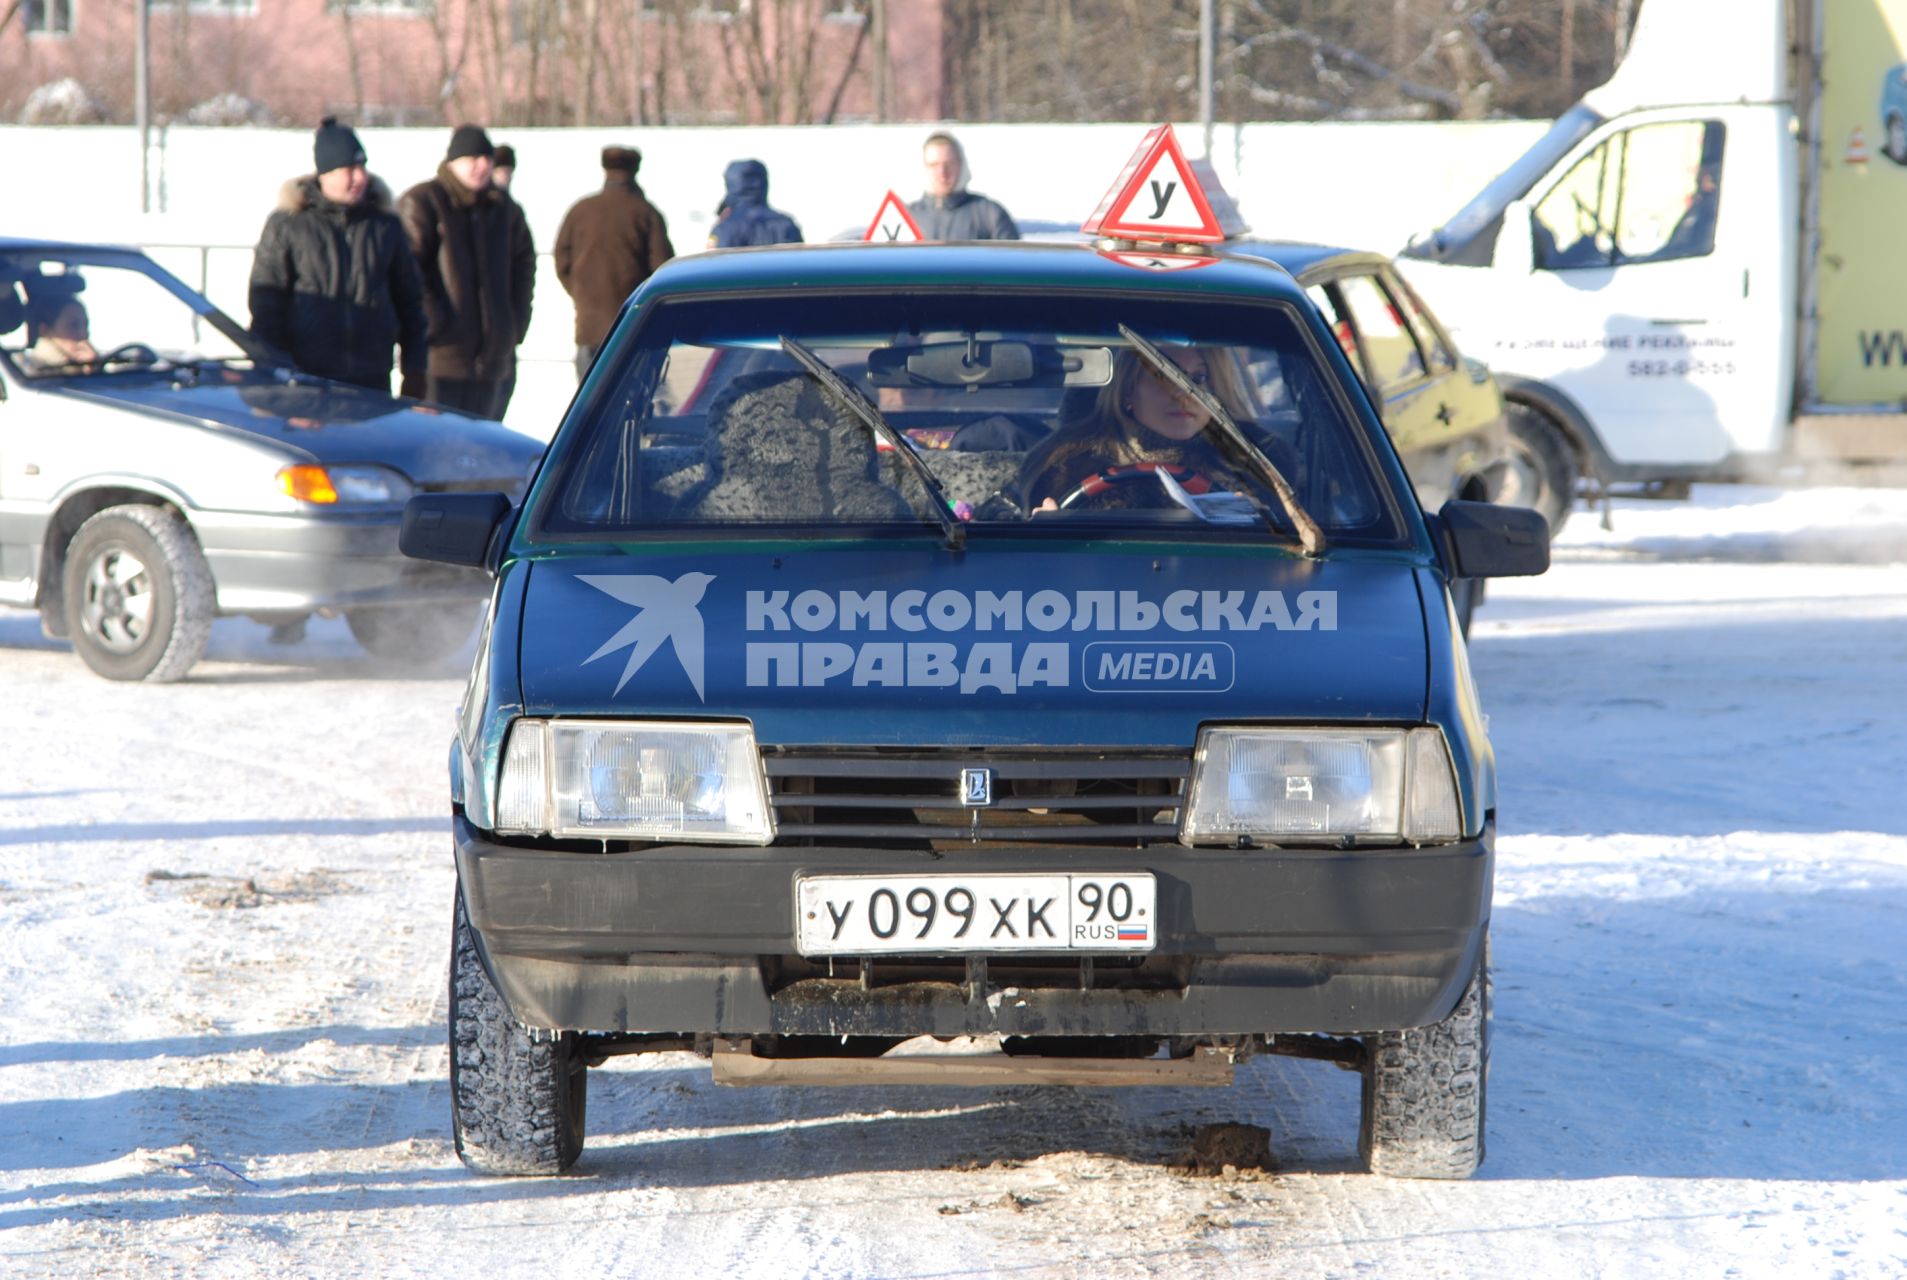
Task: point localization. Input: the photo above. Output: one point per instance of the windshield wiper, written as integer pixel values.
(1233, 442)
(870, 417)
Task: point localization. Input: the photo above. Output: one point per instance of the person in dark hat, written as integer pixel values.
(334, 285)
(503, 170)
(479, 267)
(608, 244)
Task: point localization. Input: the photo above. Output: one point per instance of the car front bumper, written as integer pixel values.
(265, 563)
(701, 939)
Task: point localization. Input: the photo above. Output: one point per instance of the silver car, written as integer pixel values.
(160, 467)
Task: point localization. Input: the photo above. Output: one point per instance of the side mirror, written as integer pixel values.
(1516, 240)
(454, 528)
(1487, 540)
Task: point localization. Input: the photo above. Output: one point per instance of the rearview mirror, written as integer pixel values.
(1489, 540)
(453, 528)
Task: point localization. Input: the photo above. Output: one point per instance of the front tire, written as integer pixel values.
(517, 1100)
(137, 594)
(1423, 1097)
(1542, 470)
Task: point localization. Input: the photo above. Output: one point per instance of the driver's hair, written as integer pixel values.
(1109, 436)
(1113, 404)
(45, 312)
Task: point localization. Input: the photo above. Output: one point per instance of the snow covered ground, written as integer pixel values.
(224, 910)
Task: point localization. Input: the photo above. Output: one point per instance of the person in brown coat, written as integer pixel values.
(479, 273)
(609, 243)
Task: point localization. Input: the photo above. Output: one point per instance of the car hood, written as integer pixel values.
(334, 422)
(997, 646)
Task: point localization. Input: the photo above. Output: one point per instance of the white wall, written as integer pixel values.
(1364, 185)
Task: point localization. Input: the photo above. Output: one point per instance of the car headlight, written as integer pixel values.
(329, 485)
(1297, 785)
(633, 779)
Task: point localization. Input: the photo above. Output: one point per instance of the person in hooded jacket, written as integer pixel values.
(948, 211)
(746, 217)
(473, 247)
(334, 283)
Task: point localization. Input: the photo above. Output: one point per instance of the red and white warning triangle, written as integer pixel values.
(892, 222)
(1156, 197)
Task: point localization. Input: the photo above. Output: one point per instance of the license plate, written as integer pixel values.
(953, 914)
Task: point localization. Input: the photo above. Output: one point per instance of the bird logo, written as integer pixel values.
(665, 610)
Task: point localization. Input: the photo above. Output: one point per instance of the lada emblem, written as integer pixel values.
(976, 787)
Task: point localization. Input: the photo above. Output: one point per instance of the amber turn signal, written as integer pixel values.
(308, 483)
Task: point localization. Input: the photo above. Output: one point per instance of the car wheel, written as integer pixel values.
(517, 1098)
(413, 636)
(1423, 1098)
(1896, 147)
(1542, 469)
(138, 595)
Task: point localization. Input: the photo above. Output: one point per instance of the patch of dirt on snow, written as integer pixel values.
(252, 891)
(1228, 1151)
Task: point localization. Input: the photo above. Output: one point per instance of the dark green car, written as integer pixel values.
(1021, 641)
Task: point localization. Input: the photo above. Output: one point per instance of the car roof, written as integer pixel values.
(999, 264)
(18, 244)
(1307, 262)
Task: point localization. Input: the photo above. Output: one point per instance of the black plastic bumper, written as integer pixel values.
(687, 939)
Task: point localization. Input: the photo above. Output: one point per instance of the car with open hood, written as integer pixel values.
(160, 467)
(1034, 643)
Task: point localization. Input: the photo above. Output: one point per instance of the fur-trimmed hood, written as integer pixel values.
(301, 193)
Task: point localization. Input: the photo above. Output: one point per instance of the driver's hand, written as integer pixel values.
(1046, 504)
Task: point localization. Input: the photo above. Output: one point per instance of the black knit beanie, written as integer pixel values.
(336, 146)
(469, 140)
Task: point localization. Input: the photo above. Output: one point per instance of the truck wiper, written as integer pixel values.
(870, 417)
(1233, 442)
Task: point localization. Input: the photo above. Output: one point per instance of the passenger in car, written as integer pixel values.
(1136, 419)
(59, 333)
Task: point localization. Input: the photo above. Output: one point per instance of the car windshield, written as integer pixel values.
(88, 314)
(1014, 410)
(1449, 242)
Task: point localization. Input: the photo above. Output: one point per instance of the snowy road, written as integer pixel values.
(224, 915)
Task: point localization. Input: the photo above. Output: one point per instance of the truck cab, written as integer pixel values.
(1672, 283)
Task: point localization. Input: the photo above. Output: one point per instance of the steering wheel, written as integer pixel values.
(1112, 478)
(130, 353)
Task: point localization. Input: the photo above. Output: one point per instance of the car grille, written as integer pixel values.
(912, 798)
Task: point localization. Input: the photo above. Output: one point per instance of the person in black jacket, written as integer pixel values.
(948, 211)
(746, 217)
(334, 285)
(473, 247)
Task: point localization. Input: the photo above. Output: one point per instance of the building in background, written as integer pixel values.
(505, 62)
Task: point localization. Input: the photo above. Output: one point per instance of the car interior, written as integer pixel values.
(745, 435)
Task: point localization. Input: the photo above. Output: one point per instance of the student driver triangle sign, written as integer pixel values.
(1156, 197)
(892, 222)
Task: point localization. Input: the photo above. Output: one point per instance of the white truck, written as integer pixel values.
(1697, 273)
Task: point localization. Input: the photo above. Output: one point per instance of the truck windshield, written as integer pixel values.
(1469, 237)
(1028, 411)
